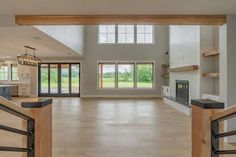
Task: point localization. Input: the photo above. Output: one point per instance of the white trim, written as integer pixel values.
(184, 109)
(135, 71)
(127, 44)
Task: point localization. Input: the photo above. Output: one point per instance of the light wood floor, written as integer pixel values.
(119, 128)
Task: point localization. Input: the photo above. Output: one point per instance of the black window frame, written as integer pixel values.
(59, 94)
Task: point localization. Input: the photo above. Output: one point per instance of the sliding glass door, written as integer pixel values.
(59, 79)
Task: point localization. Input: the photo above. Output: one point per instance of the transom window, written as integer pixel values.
(126, 75)
(145, 34)
(3, 72)
(125, 33)
(107, 34)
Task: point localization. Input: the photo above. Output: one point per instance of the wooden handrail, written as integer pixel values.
(224, 113)
(15, 107)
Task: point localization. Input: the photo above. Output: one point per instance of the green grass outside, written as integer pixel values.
(110, 83)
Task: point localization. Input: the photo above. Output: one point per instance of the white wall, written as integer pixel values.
(71, 36)
(184, 51)
(228, 64)
(95, 52)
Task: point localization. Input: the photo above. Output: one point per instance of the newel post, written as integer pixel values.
(202, 111)
(42, 110)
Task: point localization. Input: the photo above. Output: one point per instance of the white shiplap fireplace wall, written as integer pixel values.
(184, 51)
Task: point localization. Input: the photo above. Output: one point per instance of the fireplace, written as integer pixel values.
(182, 92)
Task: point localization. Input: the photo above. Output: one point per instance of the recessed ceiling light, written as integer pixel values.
(8, 56)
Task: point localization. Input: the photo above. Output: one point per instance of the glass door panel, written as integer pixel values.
(59, 79)
(44, 78)
(65, 77)
(54, 78)
(75, 75)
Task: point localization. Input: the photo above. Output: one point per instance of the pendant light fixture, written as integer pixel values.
(26, 59)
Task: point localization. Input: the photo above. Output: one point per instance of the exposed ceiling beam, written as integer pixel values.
(120, 19)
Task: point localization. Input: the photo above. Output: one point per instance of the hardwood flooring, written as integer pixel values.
(119, 128)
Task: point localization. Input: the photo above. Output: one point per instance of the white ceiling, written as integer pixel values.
(13, 7)
(14, 38)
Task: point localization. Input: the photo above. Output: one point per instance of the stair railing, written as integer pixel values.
(17, 111)
(216, 135)
(208, 128)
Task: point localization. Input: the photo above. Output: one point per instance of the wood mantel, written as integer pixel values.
(184, 68)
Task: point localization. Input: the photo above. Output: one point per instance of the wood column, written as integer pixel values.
(43, 126)
(202, 111)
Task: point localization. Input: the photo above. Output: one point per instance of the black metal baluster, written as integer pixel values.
(30, 139)
(214, 140)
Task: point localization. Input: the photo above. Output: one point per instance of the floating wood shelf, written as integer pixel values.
(165, 65)
(211, 74)
(166, 75)
(184, 68)
(210, 53)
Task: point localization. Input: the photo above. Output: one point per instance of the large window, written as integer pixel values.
(126, 75)
(144, 75)
(106, 75)
(14, 72)
(3, 72)
(125, 33)
(107, 34)
(145, 34)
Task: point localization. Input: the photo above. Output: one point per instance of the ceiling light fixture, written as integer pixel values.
(26, 59)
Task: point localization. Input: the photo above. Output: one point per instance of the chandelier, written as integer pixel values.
(26, 59)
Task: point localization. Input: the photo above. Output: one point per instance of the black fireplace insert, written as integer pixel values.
(182, 92)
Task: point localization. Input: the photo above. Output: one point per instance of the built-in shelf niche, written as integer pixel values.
(165, 74)
(209, 62)
(165, 70)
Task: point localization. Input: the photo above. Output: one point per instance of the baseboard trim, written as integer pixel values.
(120, 96)
(184, 109)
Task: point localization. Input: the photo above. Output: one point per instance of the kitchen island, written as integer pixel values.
(5, 91)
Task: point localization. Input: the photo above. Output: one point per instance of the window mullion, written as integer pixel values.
(116, 75)
(116, 33)
(135, 75)
(135, 34)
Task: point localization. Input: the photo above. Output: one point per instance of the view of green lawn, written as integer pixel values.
(64, 83)
(126, 76)
(110, 83)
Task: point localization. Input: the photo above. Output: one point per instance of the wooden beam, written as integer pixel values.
(120, 19)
